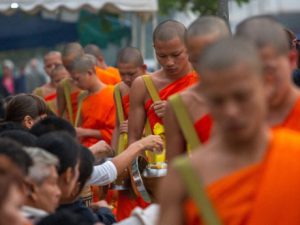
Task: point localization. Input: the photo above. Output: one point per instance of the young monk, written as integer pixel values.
(279, 61)
(67, 91)
(201, 33)
(107, 74)
(98, 111)
(175, 75)
(48, 91)
(241, 174)
(131, 65)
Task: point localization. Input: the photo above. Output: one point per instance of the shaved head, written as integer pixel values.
(70, 52)
(94, 50)
(84, 63)
(203, 32)
(169, 30)
(208, 25)
(264, 32)
(130, 55)
(51, 54)
(229, 53)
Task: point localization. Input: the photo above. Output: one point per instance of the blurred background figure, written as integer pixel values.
(7, 80)
(34, 76)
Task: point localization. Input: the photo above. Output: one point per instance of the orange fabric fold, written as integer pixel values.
(110, 76)
(125, 104)
(203, 127)
(98, 112)
(175, 87)
(292, 121)
(50, 97)
(127, 204)
(266, 193)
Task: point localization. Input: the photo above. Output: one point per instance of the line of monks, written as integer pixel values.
(225, 107)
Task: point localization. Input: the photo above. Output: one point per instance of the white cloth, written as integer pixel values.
(148, 216)
(33, 214)
(103, 174)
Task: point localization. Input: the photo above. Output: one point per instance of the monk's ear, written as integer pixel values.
(144, 68)
(293, 57)
(90, 72)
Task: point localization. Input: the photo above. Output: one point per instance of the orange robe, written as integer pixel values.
(292, 121)
(126, 204)
(110, 76)
(261, 194)
(98, 112)
(175, 87)
(203, 128)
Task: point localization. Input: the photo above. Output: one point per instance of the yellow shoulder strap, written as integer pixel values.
(196, 190)
(39, 92)
(82, 95)
(67, 92)
(184, 121)
(122, 139)
(151, 88)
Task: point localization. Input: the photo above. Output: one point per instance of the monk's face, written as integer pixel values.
(81, 80)
(58, 76)
(50, 62)
(237, 101)
(278, 69)
(129, 71)
(172, 56)
(196, 45)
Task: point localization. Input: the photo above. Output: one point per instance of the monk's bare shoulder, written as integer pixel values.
(194, 102)
(205, 158)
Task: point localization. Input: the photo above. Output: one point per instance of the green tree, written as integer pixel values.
(204, 7)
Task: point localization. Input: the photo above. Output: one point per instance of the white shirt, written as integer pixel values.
(103, 174)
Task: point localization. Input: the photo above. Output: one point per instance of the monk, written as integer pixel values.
(107, 74)
(240, 177)
(97, 111)
(200, 34)
(131, 65)
(67, 91)
(48, 91)
(279, 61)
(175, 75)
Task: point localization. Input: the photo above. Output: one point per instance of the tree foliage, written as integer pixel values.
(204, 7)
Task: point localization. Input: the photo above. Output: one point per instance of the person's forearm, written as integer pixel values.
(123, 160)
(90, 133)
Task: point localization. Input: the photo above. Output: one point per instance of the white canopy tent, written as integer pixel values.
(142, 9)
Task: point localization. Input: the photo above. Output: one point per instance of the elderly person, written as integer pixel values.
(44, 193)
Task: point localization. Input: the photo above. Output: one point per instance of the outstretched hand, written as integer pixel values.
(101, 150)
(152, 142)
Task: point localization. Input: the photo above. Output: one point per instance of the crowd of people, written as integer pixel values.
(212, 137)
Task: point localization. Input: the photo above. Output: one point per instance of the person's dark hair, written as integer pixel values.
(23, 105)
(86, 166)
(16, 154)
(8, 125)
(24, 138)
(63, 146)
(51, 124)
(64, 217)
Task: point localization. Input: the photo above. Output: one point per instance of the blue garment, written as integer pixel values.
(103, 215)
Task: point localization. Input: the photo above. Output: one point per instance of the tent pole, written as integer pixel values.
(133, 29)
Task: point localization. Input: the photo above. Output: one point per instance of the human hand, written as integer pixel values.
(124, 127)
(101, 150)
(152, 142)
(159, 108)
